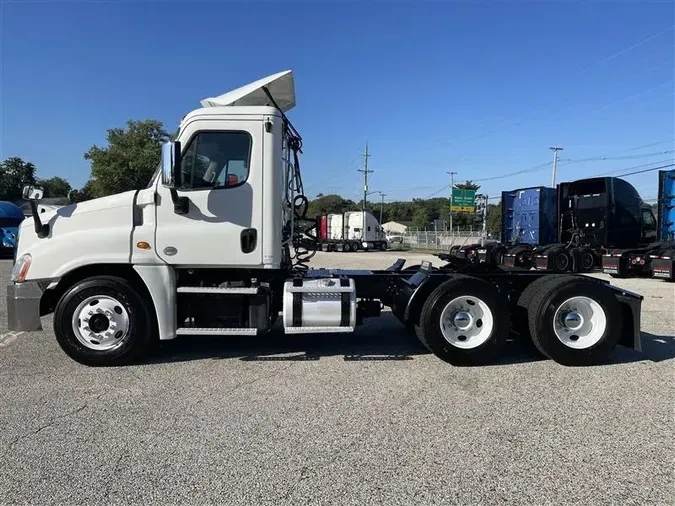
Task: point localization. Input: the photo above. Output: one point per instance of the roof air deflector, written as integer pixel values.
(280, 86)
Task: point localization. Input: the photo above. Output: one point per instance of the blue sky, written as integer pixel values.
(480, 88)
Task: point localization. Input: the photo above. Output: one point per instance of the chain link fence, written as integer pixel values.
(435, 241)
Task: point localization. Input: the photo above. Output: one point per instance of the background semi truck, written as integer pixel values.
(195, 253)
(654, 259)
(350, 231)
(570, 227)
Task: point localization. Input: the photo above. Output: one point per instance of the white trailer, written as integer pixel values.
(345, 232)
(364, 227)
(219, 244)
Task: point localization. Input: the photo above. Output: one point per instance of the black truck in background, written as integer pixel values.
(568, 228)
(594, 216)
(656, 258)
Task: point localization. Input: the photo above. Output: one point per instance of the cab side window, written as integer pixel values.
(216, 160)
(648, 219)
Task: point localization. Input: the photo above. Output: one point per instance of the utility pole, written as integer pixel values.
(555, 162)
(452, 185)
(382, 195)
(365, 171)
(484, 198)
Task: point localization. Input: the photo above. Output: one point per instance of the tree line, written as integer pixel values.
(132, 153)
(126, 163)
(418, 214)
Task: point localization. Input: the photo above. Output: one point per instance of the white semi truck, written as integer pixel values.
(350, 231)
(219, 244)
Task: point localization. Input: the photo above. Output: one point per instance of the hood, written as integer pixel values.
(89, 206)
(92, 213)
(80, 234)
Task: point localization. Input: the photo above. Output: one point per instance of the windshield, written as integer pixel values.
(591, 201)
(9, 222)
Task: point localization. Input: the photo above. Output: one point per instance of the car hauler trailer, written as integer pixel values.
(653, 259)
(196, 253)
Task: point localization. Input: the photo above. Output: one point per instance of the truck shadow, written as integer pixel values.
(655, 348)
(387, 341)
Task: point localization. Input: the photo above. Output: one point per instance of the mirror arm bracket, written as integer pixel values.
(181, 205)
(41, 229)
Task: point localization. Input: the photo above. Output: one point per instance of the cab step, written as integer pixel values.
(317, 330)
(215, 331)
(218, 290)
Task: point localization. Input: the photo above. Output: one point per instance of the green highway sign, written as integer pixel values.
(463, 201)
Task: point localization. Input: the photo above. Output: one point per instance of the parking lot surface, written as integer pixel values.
(368, 418)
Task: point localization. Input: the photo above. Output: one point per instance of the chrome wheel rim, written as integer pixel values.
(101, 323)
(579, 323)
(466, 322)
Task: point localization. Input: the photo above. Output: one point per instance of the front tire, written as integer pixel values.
(465, 321)
(103, 321)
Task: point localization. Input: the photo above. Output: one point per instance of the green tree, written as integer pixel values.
(15, 173)
(129, 160)
(84, 193)
(468, 185)
(328, 204)
(494, 219)
(421, 218)
(55, 187)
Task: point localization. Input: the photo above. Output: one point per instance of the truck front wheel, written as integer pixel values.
(103, 321)
(465, 321)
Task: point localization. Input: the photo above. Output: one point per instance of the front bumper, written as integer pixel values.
(23, 306)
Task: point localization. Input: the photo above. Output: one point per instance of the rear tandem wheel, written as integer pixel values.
(572, 320)
(464, 321)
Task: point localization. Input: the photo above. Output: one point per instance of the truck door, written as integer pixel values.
(221, 172)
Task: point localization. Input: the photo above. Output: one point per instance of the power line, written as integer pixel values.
(439, 191)
(569, 161)
(646, 170)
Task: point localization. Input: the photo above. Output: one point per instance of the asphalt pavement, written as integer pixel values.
(368, 418)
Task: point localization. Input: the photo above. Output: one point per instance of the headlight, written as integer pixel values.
(20, 269)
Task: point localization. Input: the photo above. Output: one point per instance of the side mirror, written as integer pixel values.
(171, 175)
(31, 192)
(171, 164)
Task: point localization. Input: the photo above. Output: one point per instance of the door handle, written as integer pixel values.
(249, 238)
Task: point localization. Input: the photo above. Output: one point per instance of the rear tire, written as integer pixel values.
(574, 321)
(562, 261)
(586, 260)
(465, 321)
(123, 328)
